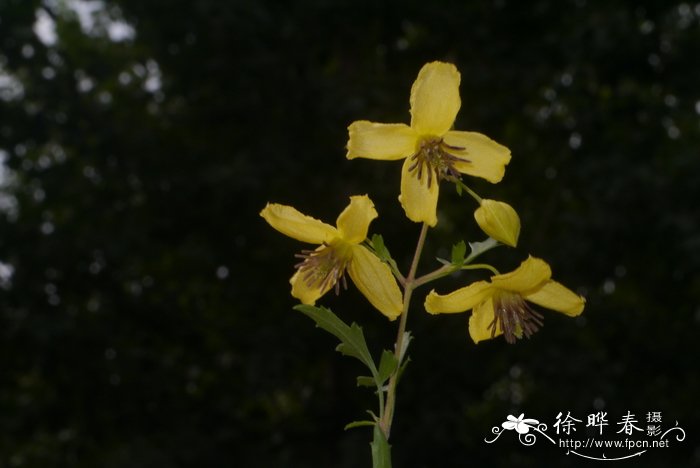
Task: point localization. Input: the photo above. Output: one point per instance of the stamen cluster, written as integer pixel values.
(434, 156)
(323, 268)
(515, 317)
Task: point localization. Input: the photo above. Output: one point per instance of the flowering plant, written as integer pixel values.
(433, 154)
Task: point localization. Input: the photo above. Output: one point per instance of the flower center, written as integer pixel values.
(514, 316)
(435, 157)
(325, 267)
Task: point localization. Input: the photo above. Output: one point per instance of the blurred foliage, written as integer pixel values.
(145, 312)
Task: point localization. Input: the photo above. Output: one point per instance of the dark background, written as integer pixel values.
(145, 315)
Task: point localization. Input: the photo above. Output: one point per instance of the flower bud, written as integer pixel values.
(499, 220)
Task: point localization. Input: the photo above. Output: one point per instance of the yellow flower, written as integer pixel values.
(499, 220)
(432, 151)
(339, 250)
(499, 305)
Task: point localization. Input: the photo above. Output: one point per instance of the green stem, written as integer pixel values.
(432, 276)
(480, 266)
(469, 191)
(409, 283)
(380, 396)
(388, 416)
(448, 270)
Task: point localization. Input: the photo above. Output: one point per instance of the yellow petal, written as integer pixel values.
(499, 220)
(435, 99)
(480, 320)
(374, 279)
(418, 200)
(487, 159)
(305, 293)
(292, 223)
(460, 300)
(556, 296)
(380, 141)
(353, 222)
(531, 274)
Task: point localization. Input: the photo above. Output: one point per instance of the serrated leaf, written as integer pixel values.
(387, 365)
(352, 340)
(381, 450)
(366, 381)
(458, 251)
(358, 424)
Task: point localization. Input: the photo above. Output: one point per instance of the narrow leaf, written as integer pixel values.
(387, 365)
(402, 369)
(358, 424)
(366, 381)
(382, 252)
(374, 416)
(404, 344)
(379, 247)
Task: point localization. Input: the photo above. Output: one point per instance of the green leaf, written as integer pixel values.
(377, 243)
(458, 251)
(366, 381)
(404, 344)
(379, 247)
(387, 366)
(381, 450)
(477, 248)
(352, 340)
(402, 369)
(358, 424)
